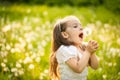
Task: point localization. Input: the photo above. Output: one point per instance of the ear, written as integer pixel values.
(65, 34)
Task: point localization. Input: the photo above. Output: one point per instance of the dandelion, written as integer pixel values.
(17, 49)
(25, 19)
(6, 28)
(45, 13)
(12, 50)
(114, 64)
(118, 73)
(5, 60)
(20, 60)
(37, 59)
(87, 31)
(43, 43)
(27, 60)
(5, 69)
(118, 41)
(3, 64)
(30, 46)
(16, 74)
(100, 69)
(10, 76)
(46, 71)
(18, 65)
(104, 76)
(36, 20)
(8, 47)
(98, 23)
(33, 56)
(41, 77)
(106, 26)
(21, 72)
(14, 70)
(110, 64)
(28, 10)
(3, 54)
(31, 66)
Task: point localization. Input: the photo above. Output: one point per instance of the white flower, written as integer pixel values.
(87, 31)
(16, 74)
(100, 69)
(18, 65)
(118, 41)
(27, 60)
(43, 43)
(114, 64)
(37, 59)
(118, 73)
(45, 71)
(110, 64)
(21, 72)
(3, 64)
(104, 76)
(31, 66)
(14, 70)
(98, 23)
(33, 56)
(20, 61)
(5, 69)
(5, 60)
(8, 47)
(6, 28)
(3, 54)
(45, 13)
(28, 10)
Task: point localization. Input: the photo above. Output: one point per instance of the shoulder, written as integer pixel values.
(70, 48)
(65, 52)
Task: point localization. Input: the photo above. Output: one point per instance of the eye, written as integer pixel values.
(75, 26)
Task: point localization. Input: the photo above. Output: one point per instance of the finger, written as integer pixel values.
(96, 47)
(95, 44)
(90, 41)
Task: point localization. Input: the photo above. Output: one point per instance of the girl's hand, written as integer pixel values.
(92, 46)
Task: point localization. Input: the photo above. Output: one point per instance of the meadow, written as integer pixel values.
(25, 40)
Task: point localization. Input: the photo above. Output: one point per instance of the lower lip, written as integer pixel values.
(81, 38)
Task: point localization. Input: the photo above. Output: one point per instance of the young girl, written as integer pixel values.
(70, 57)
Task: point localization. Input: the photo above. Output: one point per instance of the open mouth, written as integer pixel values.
(81, 35)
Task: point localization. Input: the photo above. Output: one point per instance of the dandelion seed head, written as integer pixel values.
(5, 69)
(104, 76)
(3, 64)
(14, 70)
(31, 66)
(27, 60)
(6, 28)
(18, 65)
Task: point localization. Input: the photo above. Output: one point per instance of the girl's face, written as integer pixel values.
(74, 31)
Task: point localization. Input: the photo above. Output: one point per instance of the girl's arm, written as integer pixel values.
(79, 65)
(93, 61)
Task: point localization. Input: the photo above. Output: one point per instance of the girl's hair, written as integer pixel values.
(57, 41)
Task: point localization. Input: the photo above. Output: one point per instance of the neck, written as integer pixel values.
(78, 45)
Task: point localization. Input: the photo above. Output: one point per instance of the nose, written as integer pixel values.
(81, 28)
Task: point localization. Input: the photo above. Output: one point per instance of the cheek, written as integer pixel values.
(73, 36)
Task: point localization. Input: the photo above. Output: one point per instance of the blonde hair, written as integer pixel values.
(57, 41)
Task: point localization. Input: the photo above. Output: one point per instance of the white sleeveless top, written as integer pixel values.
(63, 54)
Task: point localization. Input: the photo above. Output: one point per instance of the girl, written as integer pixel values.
(70, 57)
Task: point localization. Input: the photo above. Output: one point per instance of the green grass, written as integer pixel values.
(25, 40)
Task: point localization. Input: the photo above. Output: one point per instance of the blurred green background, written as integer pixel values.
(26, 31)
